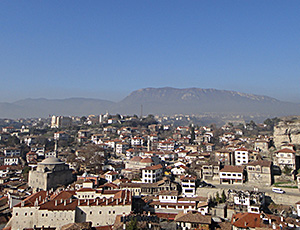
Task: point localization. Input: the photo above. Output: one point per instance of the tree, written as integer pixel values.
(223, 197)
(132, 225)
(287, 170)
(218, 199)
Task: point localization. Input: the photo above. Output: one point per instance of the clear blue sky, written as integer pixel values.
(106, 49)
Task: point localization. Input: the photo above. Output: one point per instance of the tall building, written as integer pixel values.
(60, 121)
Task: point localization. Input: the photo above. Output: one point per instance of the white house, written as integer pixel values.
(232, 174)
(152, 174)
(241, 156)
(188, 185)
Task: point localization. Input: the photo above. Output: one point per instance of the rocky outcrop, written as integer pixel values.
(287, 132)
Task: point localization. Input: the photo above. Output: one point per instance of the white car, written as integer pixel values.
(278, 190)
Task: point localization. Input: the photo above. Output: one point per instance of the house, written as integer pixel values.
(10, 152)
(246, 201)
(152, 174)
(286, 158)
(210, 171)
(193, 220)
(166, 146)
(223, 156)
(11, 160)
(169, 202)
(232, 174)
(121, 147)
(137, 141)
(243, 221)
(261, 145)
(179, 170)
(241, 156)
(260, 172)
(188, 185)
(63, 136)
(110, 176)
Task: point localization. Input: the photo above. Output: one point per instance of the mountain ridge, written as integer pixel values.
(165, 100)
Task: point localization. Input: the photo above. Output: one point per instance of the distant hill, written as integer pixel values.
(194, 101)
(166, 101)
(44, 107)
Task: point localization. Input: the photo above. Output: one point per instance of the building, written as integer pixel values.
(241, 156)
(60, 121)
(152, 174)
(53, 210)
(260, 172)
(10, 152)
(50, 173)
(232, 174)
(210, 171)
(193, 220)
(11, 160)
(286, 158)
(241, 221)
(223, 156)
(188, 185)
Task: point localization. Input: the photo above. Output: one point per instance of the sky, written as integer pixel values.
(107, 49)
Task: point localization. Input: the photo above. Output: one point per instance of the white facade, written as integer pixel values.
(10, 152)
(241, 156)
(188, 185)
(152, 174)
(11, 161)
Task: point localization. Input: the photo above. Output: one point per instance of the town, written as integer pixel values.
(146, 172)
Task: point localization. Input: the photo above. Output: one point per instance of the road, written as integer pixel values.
(289, 198)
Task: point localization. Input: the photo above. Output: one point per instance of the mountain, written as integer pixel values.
(44, 107)
(194, 101)
(166, 101)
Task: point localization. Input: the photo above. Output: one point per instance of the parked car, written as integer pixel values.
(278, 190)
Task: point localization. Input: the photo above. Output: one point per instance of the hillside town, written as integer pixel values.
(138, 172)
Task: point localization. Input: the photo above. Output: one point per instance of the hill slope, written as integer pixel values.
(166, 101)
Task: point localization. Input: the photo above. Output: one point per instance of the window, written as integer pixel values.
(113, 212)
(100, 212)
(109, 212)
(16, 214)
(91, 212)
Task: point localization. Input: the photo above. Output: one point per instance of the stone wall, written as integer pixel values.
(287, 131)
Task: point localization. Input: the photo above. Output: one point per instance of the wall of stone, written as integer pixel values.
(287, 131)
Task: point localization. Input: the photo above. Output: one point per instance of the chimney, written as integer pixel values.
(78, 202)
(106, 201)
(117, 202)
(88, 202)
(97, 202)
(55, 202)
(22, 203)
(65, 202)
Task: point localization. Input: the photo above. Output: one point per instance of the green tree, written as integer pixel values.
(218, 199)
(223, 197)
(132, 225)
(287, 170)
